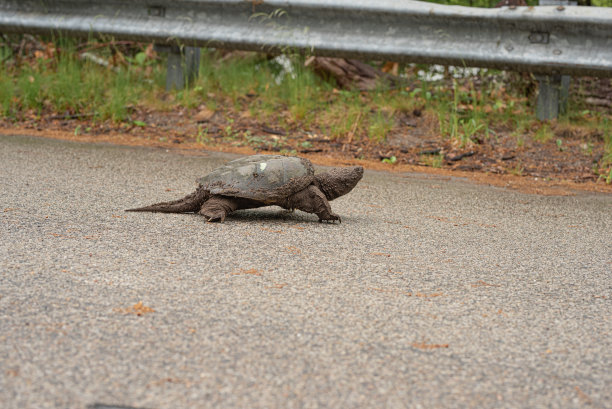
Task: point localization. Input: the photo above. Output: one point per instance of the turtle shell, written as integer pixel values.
(265, 178)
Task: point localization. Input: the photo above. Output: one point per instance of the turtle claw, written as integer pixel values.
(217, 218)
(331, 219)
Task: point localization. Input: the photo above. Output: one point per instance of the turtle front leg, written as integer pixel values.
(217, 208)
(312, 200)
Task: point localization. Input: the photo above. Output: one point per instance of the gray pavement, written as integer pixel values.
(432, 293)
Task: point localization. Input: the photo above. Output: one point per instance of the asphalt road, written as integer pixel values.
(432, 292)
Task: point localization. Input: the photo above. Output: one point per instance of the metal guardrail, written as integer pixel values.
(545, 40)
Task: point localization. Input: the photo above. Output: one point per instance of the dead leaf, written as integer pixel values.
(251, 271)
(12, 372)
(294, 250)
(481, 283)
(583, 395)
(423, 345)
(271, 231)
(150, 52)
(278, 285)
(432, 295)
(139, 309)
(204, 115)
(391, 67)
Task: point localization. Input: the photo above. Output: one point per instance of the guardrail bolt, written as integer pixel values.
(156, 11)
(539, 37)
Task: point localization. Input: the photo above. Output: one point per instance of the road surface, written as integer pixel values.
(433, 292)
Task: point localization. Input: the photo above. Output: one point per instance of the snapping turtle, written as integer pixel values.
(264, 180)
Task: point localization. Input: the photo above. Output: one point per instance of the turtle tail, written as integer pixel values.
(189, 204)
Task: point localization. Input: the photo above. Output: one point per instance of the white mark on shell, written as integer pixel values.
(262, 166)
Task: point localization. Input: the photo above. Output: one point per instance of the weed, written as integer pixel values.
(401, 102)
(202, 136)
(517, 169)
(228, 132)
(61, 88)
(608, 178)
(544, 133)
(392, 160)
(7, 94)
(435, 161)
(268, 18)
(343, 117)
(115, 107)
(454, 116)
(470, 128)
(255, 140)
(63, 82)
(606, 160)
(29, 86)
(463, 118)
(380, 125)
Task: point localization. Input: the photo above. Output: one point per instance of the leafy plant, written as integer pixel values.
(202, 135)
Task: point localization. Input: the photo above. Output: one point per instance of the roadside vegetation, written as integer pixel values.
(278, 104)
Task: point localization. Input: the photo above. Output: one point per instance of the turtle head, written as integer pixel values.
(339, 181)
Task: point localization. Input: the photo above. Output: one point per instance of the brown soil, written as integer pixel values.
(535, 167)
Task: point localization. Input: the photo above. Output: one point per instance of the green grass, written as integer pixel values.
(463, 117)
(544, 133)
(7, 93)
(435, 161)
(606, 160)
(252, 83)
(380, 123)
(249, 82)
(69, 85)
(29, 89)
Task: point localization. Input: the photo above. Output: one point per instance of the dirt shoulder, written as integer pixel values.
(543, 169)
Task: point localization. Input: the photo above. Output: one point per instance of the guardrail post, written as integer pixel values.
(553, 93)
(183, 65)
(553, 90)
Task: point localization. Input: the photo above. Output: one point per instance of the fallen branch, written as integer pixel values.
(461, 156)
(351, 74)
(600, 102)
(71, 116)
(97, 60)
